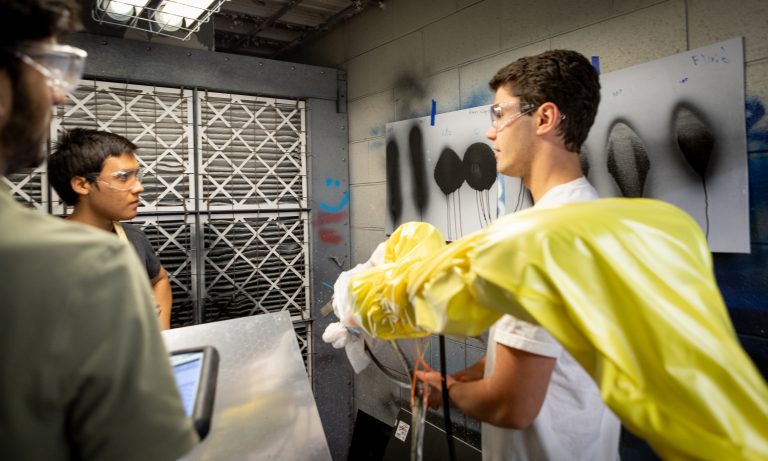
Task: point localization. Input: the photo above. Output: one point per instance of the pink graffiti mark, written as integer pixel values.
(332, 214)
(330, 218)
(330, 236)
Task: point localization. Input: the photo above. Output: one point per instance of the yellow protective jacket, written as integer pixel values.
(625, 285)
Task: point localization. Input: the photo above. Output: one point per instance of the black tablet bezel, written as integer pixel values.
(202, 410)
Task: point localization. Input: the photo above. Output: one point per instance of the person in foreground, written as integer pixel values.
(84, 374)
(98, 174)
(535, 401)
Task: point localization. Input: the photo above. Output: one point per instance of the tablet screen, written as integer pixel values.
(186, 369)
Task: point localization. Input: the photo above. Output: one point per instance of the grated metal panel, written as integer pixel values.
(255, 264)
(158, 120)
(29, 187)
(173, 239)
(234, 237)
(253, 152)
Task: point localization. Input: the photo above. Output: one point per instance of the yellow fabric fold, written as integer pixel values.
(625, 285)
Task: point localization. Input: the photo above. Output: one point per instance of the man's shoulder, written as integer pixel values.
(35, 235)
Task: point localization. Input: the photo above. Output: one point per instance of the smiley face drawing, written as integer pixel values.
(332, 213)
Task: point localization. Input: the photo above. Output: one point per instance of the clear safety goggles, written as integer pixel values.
(122, 180)
(62, 65)
(500, 119)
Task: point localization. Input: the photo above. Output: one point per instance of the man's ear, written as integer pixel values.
(548, 118)
(80, 185)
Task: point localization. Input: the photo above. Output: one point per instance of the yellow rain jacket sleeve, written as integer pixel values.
(625, 285)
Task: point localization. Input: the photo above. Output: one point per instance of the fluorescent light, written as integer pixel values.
(171, 13)
(123, 10)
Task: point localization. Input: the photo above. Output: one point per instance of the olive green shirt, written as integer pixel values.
(84, 372)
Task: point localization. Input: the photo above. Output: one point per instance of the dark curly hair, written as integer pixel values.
(23, 21)
(563, 77)
(81, 152)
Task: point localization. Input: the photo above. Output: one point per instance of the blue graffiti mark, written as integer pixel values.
(478, 98)
(757, 125)
(327, 285)
(332, 182)
(343, 202)
(376, 131)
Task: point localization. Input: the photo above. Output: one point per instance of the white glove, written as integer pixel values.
(338, 336)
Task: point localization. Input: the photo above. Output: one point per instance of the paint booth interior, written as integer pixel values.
(256, 199)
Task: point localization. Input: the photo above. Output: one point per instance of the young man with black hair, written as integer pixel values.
(97, 173)
(535, 401)
(84, 372)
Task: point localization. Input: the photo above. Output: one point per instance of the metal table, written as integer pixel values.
(264, 407)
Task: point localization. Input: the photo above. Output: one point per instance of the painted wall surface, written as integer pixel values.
(400, 58)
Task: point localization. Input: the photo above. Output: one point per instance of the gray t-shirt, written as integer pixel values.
(85, 373)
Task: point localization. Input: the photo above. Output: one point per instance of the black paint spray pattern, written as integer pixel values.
(394, 195)
(628, 160)
(584, 160)
(418, 170)
(480, 174)
(449, 176)
(695, 141)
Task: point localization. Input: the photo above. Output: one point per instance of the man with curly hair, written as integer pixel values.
(535, 401)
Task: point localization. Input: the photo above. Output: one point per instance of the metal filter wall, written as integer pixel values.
(225, 202)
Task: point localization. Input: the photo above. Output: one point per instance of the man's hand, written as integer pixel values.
(433, 379)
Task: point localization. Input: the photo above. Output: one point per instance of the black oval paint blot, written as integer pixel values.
(394, 195)
(694, 139)
(448, 172)
(584, 161)
(479, 166)
(418, 169)
(628, 160)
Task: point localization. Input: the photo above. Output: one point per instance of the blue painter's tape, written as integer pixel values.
(596, 63)
(434, 110)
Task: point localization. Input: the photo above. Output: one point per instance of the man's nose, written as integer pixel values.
(138, 188)
(491, 133)
(58, 97)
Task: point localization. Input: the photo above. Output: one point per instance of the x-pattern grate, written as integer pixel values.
(255, 265)
(172, 239)
(253, 152)
(232, 235)
(157, 120)
(29, 187)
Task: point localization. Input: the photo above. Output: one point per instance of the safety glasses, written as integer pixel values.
(121, 180)
(61, 65)
(500, 119)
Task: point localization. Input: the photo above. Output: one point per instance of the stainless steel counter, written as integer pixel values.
(264, 408)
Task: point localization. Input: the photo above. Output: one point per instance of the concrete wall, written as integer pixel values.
(401, 57)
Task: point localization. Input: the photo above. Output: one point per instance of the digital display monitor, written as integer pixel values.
(187, 369)
(196, 371)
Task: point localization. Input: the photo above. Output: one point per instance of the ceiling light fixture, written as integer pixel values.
(171, 18)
